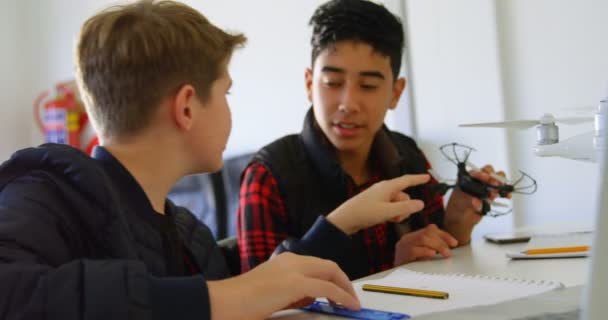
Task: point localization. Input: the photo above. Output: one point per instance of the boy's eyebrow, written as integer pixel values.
(375, 74)
(370, 73)
(332, 69)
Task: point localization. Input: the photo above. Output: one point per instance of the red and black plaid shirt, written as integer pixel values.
(262, 220)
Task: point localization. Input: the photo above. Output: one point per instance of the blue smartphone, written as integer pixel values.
(364, 314)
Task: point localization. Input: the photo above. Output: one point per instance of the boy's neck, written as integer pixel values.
(151, 167)
(356, 165)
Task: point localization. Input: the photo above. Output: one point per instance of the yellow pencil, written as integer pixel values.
(557, 250)
(407, 291)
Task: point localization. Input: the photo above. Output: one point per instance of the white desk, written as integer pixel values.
(479, 258)
(489, 259)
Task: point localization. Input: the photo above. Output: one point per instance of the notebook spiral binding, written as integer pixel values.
(544, 283)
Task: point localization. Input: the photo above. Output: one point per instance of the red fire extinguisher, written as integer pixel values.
(62, 118)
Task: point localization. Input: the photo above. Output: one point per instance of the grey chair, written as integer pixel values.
(197, 193)
(231, 178)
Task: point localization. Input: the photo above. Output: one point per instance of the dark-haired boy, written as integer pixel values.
(289, 190)
(96, 238)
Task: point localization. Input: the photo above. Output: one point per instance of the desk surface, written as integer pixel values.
(481, 258)
(487, 258)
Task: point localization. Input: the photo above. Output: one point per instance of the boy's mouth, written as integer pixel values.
(346, 129)
(346, 125)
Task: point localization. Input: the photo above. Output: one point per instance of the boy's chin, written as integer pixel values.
(212, 167)
(346, 147)
(207, 166)
(345, 144)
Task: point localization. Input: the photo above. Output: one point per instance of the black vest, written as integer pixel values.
(312, 182)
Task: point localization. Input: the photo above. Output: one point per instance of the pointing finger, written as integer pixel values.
(408, 180)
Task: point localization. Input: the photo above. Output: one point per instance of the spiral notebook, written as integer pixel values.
(464, 291)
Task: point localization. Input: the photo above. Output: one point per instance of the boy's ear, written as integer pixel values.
(308, 82)
(398, 88)
(182, 107)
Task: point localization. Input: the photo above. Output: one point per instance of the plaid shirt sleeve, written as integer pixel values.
(433, 211)
(261, 216)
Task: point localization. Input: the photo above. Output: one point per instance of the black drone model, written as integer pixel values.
(459, 155)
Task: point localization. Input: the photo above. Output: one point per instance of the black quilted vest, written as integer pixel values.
(312, 182)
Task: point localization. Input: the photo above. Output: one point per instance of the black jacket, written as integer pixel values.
(79, 240)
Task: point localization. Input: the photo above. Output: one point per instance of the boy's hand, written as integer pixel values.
(288, 280)
(423, 243)
(462, 210)
(381, 202)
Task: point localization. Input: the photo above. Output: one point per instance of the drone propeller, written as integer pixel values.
(525, 124)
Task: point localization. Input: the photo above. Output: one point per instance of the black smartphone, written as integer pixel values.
(508, 237)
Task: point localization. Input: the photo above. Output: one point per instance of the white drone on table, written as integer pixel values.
(582, 147)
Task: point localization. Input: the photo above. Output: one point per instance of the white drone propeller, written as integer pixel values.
(547, 118)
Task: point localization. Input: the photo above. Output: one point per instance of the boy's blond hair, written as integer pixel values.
(130, 57)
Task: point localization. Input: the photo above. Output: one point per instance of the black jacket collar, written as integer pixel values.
(129, 187)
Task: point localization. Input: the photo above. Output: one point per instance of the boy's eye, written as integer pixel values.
(332, 83)
(369, 86)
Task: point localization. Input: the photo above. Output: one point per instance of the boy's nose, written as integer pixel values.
(350, 101)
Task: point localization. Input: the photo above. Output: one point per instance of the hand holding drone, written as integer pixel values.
(486, 192)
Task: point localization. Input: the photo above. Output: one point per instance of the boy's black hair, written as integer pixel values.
(357, 20)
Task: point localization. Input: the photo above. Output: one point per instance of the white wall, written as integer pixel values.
(555, 55)
(14, 110)
(481, 61)
(268, 99)
(456, 77)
